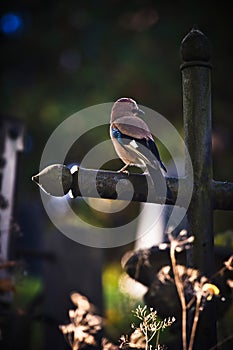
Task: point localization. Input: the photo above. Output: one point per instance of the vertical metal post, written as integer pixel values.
(196, 81)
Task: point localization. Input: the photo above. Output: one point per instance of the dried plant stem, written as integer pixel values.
(152, 336)
(188, 306)
(146, 336)
(219, 272)
(157, 339)
(180, 291)
(195, 321)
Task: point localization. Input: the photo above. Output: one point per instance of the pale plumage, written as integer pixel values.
(131, 136)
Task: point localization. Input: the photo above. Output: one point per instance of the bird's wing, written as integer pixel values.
(152, 146)
(133, 126)
(147, 151)
(137, 138)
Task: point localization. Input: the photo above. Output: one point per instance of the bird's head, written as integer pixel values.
(125, 106)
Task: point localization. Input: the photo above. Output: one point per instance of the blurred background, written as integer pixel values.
(58, 57)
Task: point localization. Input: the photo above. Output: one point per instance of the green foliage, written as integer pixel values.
(26, 289)
(27, 307)
(224, 239)
(117, 303)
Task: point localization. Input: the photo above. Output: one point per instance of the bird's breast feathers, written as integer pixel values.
(127, 148)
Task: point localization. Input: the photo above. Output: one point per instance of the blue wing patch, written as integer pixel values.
(149, 144)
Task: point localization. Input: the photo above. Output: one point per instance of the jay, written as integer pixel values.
(133, 140)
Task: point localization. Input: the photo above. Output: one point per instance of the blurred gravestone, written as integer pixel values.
(11, 142)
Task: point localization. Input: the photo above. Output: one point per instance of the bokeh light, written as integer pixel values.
(11, 23)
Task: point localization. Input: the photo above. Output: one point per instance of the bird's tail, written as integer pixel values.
(160, 189)
(162, 165)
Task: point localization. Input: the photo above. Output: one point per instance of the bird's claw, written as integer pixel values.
(123, 172)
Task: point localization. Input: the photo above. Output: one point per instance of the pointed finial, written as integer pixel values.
(55, 180)
(195, 46)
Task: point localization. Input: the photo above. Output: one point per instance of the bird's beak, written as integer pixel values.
(138, 112)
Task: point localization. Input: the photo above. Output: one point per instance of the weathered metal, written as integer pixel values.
(222, 194)
(58, 181)
(196, 83)
(102, 183)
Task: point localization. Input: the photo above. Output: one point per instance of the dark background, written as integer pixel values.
(65, 56)
(62, 56)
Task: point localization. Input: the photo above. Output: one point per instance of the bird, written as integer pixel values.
(133, 141)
